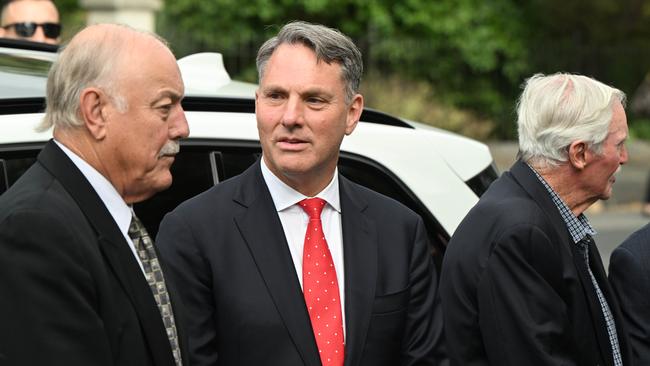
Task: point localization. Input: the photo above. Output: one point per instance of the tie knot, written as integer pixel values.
(313, 206)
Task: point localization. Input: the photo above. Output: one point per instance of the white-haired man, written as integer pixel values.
(522, 281)
(80, 281)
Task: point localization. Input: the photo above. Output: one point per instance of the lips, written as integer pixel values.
(291, 143)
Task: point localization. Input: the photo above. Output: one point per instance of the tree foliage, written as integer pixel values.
(474, 53)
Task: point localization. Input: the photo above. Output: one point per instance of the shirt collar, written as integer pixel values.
(284, 196)
(115, 204)
(579, 227)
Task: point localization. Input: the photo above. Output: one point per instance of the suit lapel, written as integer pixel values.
(262, 231)
(531, 184)
(360, 258)
(114, 248)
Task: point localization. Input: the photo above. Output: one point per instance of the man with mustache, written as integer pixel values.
(522, 280)
(290, 263)
(80, 280)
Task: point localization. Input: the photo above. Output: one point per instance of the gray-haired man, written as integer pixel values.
(290, 263)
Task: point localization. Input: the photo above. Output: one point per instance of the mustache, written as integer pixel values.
(171, 148)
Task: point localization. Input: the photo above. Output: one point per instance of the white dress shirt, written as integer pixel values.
(295, 220)
(115, 204)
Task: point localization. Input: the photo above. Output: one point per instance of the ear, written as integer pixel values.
(92, 106)
(578, 154)
(354, 113)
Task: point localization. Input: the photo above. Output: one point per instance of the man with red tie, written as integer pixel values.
(290, 263)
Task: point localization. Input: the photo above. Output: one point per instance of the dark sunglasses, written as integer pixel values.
(27, 29)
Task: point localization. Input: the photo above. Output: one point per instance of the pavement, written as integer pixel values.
(616, 218)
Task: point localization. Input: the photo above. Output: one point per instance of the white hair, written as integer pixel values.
(87, 61)
(556, 110)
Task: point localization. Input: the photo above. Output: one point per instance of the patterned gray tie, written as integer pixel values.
(154, 275)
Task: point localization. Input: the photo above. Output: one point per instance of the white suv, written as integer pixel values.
(438, 174)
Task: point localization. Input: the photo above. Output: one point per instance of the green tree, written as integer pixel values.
(471, 51)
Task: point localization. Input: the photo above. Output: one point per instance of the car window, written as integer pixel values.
(15, 163)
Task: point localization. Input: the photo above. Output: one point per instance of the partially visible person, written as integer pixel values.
(32, 20)
(290, 263)
(645, 209)
(80, 281)
(629, 274)
(522, 281)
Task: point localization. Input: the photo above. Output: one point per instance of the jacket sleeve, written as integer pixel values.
(48, 303)
(424, 342)
(629, 275)
(523, 319)
(190, 273)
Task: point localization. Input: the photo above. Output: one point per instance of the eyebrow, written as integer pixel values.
(309, 92)
(174, 96)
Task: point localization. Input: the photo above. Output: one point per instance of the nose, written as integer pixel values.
(39, 36)
(179, 128)
(293, 112)
(624, 155)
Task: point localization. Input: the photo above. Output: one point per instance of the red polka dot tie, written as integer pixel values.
(321, 288)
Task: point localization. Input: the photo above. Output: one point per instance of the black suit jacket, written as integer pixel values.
(244, 304)
(629, 274)
(71, 291)
(511, 290)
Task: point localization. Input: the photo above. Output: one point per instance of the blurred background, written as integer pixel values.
(454, 64)
(457, 64)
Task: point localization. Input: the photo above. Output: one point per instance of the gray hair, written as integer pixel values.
(556, 110)
(87, 61)
(329, 45)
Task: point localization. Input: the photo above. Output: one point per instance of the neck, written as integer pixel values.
(566, 183)
(85, 147)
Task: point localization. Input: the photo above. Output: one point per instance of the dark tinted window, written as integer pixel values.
(15, 163)
(192, 172)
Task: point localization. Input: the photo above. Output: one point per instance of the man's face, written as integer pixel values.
(30, 11)
(600, 173)
(140, 141)
(302, 116)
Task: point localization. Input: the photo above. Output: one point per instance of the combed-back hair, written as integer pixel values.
(329, 45)
(556, 110)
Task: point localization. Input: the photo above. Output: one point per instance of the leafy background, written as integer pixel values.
(456, 64)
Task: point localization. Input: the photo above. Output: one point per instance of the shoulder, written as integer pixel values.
(36, 191)
(637, 244)
(376, 203)
(505, 218)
